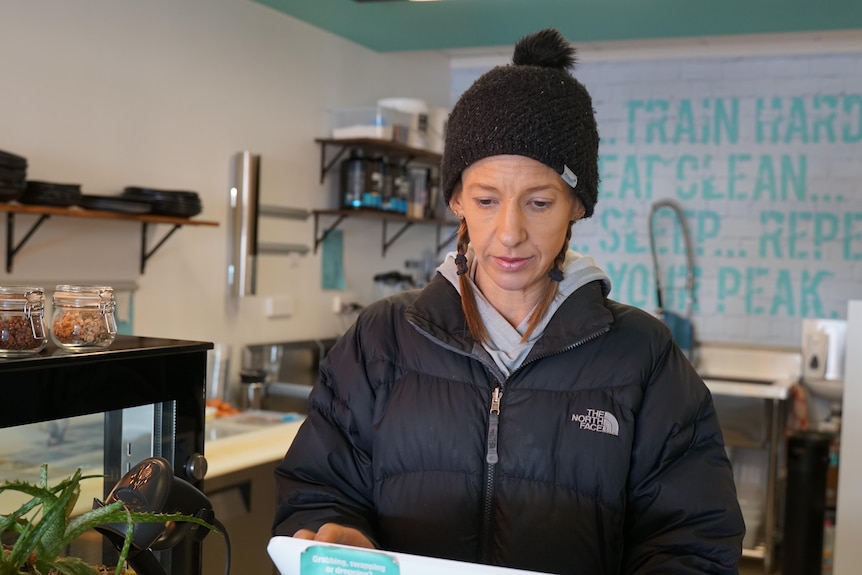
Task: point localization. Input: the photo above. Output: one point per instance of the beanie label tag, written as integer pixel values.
(569, 176)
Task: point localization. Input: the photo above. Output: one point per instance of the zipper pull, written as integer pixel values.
(493, 424)
(495, 400)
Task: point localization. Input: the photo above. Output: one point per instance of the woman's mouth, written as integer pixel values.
(511, 264)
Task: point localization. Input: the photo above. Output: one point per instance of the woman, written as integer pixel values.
(510, 413)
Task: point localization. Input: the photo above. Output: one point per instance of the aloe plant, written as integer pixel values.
(44, 526)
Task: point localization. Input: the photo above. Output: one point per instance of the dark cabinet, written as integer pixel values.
(164, 379)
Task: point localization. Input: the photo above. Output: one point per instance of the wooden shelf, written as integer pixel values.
(45, 212)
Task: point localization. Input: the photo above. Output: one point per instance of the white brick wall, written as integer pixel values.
(775, 217)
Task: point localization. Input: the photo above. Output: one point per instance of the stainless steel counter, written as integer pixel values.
(752, 388)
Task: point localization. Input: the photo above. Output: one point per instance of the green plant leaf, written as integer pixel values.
(112, 513)
(52, 527)
(45, 527)
(73, 566)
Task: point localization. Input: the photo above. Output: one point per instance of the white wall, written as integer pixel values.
(162, 93)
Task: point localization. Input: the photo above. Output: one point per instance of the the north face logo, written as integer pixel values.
(598, 420)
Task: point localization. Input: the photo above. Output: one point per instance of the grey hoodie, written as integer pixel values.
(504, 344)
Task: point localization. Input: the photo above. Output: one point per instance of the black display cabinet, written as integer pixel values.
(167, 375)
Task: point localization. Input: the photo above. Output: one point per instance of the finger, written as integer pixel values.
(331, 533)
(304, 534)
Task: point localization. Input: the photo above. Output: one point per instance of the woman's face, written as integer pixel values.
(517, 212)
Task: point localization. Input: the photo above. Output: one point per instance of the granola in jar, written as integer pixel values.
(83, 317)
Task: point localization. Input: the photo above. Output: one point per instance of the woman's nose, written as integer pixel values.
(510, 229)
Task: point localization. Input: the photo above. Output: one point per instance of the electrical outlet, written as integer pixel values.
(279, 306)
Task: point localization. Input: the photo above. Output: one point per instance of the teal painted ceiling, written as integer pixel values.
(460, 24)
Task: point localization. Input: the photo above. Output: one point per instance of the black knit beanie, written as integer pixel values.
(532, 107)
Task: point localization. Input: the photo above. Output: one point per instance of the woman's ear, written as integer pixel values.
(578, 209)
(455, 205)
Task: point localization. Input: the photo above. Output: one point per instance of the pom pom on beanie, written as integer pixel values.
(533, 107)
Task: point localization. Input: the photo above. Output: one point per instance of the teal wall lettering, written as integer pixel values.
(737, 170)
(811, 304)
(707, 225)
(632, 282)
(791, 179)
(685, 131)
(753, 288)
(630, 184)
(686, 164)
(767, 119)
(726, 121)
(852, 244)
(770, 237)
(798, 239)
(824, 123)
(802, 236)
(655, 126)
(808, 119)
(666, 121)
(610, 222)
(782, 301)
(851, 131)
(826, 226)
(797, 122)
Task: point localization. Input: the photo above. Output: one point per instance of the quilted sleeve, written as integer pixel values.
(326, 474)
(683, 515)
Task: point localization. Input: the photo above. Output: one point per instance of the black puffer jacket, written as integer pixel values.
(609, 458)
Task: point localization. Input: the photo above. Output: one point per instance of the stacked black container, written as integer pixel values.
(51, 194)
(13, 176)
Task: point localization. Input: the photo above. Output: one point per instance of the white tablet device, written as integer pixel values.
(304, 557)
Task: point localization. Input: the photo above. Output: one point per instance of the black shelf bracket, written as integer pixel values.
(395, 236)
(326, 166)
(145, 255)
(318, 239)
(386, 241)
(11, 250)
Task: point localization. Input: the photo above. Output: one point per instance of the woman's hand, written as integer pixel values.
(335, 533)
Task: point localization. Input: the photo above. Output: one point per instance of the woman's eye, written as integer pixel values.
(541, 204)
(484, 202)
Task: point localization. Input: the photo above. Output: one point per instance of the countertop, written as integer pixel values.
(231, 444)
(755, 388)
(244, 448)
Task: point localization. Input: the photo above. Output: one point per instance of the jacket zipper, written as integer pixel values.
(491, 459)
(491, 456)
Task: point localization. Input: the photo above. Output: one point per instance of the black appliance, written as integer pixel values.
(805, 502)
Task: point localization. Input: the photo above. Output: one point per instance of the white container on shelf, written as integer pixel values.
(437, 120)
(417, 113)
(376, 122)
